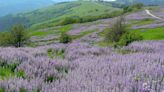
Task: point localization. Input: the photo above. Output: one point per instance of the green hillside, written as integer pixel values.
(53, 15)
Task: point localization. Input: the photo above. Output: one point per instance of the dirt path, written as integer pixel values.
(154, 16)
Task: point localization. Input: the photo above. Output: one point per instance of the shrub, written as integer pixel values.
(117, 30)
(16, 37)
(4, 39)
(50, 79)
(119, 36)
(65, 38)
(133, 7)
(129, 37)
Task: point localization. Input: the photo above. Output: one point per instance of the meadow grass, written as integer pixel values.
(151, 33)
(55, 31)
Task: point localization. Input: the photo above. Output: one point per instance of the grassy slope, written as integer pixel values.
(151, 34)
(50, 16)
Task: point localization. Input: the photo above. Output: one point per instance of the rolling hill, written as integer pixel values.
(52, 15)
(16, 6)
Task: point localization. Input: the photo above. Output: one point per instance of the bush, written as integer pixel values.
(119, 36)
(117, 30)
(129, 37)
(4, 39)
(133, 7)
(65, 38)
(16, 37)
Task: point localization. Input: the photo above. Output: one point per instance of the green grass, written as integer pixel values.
(151, 34)
(55, 53)
(51, 16)
(50, 31)
(7, 71)
(103, 33)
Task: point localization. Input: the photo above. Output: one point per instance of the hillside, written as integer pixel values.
(51, 15)
(16, 6)
(88, 60)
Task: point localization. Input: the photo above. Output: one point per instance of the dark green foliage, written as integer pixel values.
(127, 9)
(16, 37)
(62, 70)
(20, 73)
(51, 78)
(117, 30)
(138, 5)
(23, 90)
(133, 7)
(77, 19)
(119, 36)
(4, 39)
(7, 70)
(129, 37)
(70, 20)
(11, 66)
(2, 89)
(65, 38)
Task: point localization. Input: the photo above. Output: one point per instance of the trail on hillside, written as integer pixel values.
(154, 16)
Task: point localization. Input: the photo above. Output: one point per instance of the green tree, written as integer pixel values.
(117, 30)
(120, 36)
(18, 36)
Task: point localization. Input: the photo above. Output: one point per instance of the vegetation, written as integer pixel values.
(117, 30)
(62, 13)
(55, 53)
(133, 7)
(128, 38)
(77, 19)
(16, 37)
(119, 34)
(151, 33)
(65, 38)
(8, 70)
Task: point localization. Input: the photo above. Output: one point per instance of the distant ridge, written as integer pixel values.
(16, 6)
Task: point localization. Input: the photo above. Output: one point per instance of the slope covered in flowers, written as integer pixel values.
(82, 66)
(86, 68)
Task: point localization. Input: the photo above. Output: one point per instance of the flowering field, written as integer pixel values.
(81, 67)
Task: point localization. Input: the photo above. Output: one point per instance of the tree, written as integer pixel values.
(117, 30)
(119, 35)
(18, 36)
